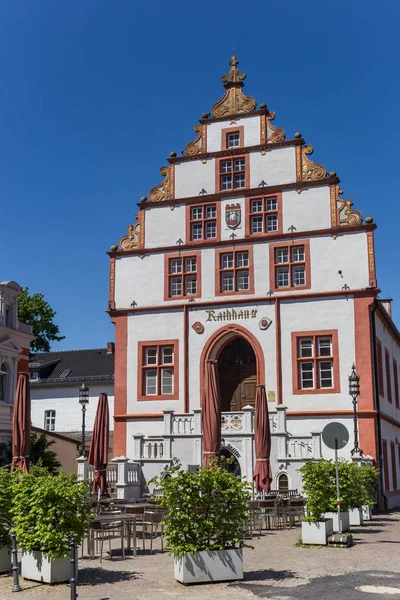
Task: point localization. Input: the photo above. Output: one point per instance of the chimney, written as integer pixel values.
(387, 305)
(110, 347)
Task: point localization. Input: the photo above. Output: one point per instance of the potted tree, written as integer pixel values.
(349, 495)
(365, 492)
(5, 519)
(206, 515)
(319, 489)
(48, 513)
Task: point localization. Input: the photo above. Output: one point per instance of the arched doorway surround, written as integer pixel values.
(217, 342)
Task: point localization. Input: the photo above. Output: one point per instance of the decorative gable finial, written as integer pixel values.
(233, 101)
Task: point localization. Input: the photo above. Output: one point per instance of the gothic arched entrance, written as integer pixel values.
(237, 373)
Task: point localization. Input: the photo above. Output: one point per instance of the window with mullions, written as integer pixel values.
(158, 363)
(263, 215)
(235, 274)
(233, 139)
(290, 266)
(203, 222)
(182, 276)
(315, 366)
(50, 420)
(232, 174)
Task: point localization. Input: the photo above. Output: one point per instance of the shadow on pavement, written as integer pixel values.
(98, 576)
(268, 574)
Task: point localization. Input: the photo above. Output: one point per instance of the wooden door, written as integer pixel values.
(237, 386)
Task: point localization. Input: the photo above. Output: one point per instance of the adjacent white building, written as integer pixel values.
(55, 378)
(248, 253)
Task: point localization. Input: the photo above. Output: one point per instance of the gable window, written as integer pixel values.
(233, 140)
(396, 383)
(158, 370)
(232, 137)
(388, 378)
(315, 362)
(50, 420)
(182, 276)
(3, 382)
(264, 215)
(232, 173)
(290, 266)
(202, 222)
(234, 271)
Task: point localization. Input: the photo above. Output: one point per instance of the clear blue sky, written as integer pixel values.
(95, 94)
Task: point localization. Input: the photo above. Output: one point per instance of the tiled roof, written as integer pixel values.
(84, 365)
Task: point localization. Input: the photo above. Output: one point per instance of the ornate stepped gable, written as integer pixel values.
(234, 103)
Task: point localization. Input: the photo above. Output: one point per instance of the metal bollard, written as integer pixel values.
(15, 568)
(73, 582)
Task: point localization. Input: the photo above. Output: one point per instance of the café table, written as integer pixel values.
(128, 528)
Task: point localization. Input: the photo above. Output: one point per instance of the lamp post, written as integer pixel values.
(354, 391)
(83, 401)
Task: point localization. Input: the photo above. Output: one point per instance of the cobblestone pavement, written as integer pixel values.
(275, 568)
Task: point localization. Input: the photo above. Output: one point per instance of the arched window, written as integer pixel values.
(3, 382)
(283, 483)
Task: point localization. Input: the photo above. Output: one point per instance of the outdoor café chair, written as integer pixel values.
(107, 531)
(150, 524)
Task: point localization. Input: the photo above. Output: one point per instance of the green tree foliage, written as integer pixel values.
(207, 508)
(41, 455)
(49, 512)
(5, 504)
(36, 311)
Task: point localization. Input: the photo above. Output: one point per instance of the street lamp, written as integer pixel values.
(354, 391)
(83, 400)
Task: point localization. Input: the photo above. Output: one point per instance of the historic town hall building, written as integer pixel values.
(247, 253)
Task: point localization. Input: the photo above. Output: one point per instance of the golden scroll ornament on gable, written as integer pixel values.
(342, 213)
(234, 101)
(164, 190)
(310, 171)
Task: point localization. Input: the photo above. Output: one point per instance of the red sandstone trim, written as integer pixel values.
(120, 381)
(278, 352)
(265, 234)
(273, 266)
(205, 241)
(141, 395)
(333, 333)
(218, 271)
(167, 275)
(227, 131)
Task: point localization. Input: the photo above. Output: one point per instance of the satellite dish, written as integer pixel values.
(335, 435)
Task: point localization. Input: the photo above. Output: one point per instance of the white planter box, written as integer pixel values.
(202, 567)
(5, 560)
(38, 567)
(356, 517)
(316, 533)
(366, 513)
(344, 518)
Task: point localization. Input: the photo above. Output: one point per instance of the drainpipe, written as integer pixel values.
(382, 499)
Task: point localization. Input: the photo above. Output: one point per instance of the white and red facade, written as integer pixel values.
(247, 239)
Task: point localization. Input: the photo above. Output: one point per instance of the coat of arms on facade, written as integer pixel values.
(264, 323)
(232, 215)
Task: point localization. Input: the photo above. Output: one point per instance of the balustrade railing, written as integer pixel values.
(133, 472)
(153, 448)
(182, 424)
(112, 473)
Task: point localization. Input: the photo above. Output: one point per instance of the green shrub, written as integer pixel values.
(49, 512)
(368, 477)
(207, 509)
(319, 487)
(5, 504)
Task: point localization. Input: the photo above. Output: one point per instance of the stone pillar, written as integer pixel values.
(197, 421)
(138, 446)
(316, 444)
(248, 418)
(83, 473)
(281, 415)
(282, 446)
(168, 422)
(125, 490)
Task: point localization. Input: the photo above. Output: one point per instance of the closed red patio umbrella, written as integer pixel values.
(21, 424)
(98, 453)
(262, 438)
(211, 413)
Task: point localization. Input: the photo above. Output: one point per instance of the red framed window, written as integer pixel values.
(202, 222)
(234, 271)
(232, 137)
(290, 266)
(232, 173)
(394, 468)
(264, 215)
(158, 370)
(182, 276)
(396, 383)
(315, 356)
(388, 378)
(379, 359)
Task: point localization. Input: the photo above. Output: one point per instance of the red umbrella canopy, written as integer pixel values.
(98, 453)
(262, 438)
(21, 425)
(211, 413)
